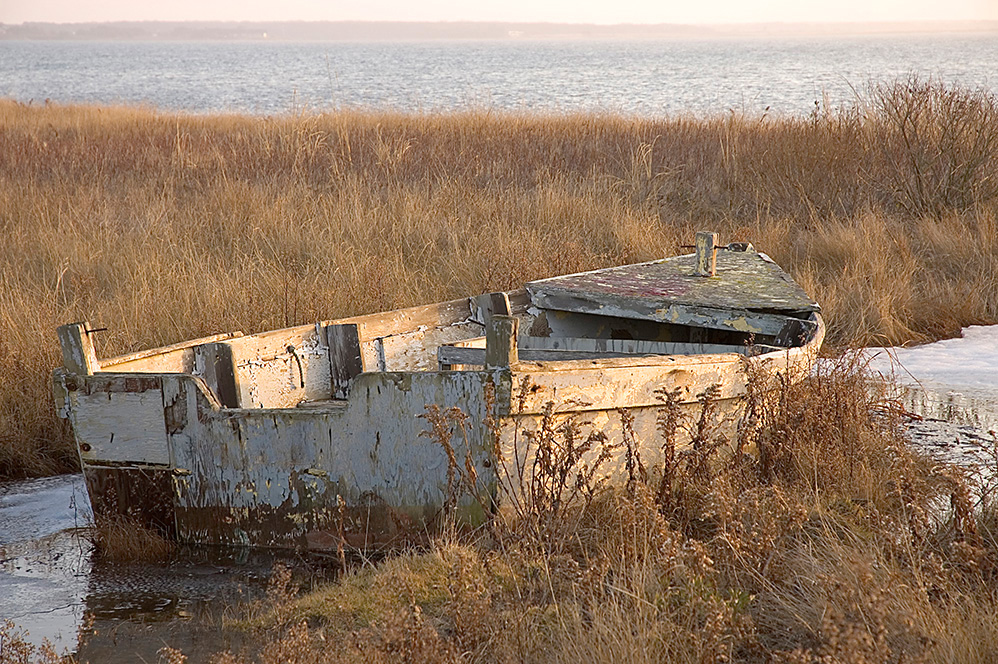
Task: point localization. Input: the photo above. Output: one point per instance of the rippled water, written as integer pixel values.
(645, 77)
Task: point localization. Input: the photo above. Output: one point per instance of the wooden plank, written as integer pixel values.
(443, 351)
(456, 355)
(78, 355)
(417, 351)
(165, 350)
(484, 307)
(269, 368)
(120, 426)
(628, 386)
(706, 254)
(519, 301)
(632, 346)
(738, 320)
(751, 294)
(440, 314)
(500, 342)
(408, 320)
(345, 359)
(214, 362)
(560, 349)
(448, 356)
(795, 332)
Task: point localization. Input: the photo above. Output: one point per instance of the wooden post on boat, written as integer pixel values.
(78, 354)
(500, 342)
(501, 352)
(346, 360)
(706, 248)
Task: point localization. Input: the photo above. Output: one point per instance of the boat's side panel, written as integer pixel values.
(139, 493)
(119, 418)
(273, 477)
(620, 405)
(608, 430)
(417, 350)
(615, 407)
(241, 476)
(608, 387)
(180, 360)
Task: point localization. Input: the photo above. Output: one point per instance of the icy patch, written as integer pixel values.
(953, 386)
(968, 365)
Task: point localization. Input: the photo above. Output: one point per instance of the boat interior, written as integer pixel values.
(295, 366)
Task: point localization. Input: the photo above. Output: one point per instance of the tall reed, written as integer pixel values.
(166, 226)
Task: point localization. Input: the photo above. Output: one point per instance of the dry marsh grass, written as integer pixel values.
(124, 540)
(838, 544)
(166, 226)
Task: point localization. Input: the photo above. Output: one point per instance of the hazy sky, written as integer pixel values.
(564, 11)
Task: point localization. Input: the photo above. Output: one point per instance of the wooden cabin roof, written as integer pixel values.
(750, 293)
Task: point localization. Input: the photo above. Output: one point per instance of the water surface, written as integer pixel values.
(653, 78)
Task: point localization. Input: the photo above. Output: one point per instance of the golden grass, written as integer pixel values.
(165, 226)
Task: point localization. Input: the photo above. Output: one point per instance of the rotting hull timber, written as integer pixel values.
(323, 436)
(166, 452)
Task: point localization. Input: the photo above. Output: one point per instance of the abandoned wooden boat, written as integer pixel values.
(313, 435)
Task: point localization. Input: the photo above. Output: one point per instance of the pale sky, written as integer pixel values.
(560, 11)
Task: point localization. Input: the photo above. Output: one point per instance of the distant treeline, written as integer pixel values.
(335, 30)
(400, 31)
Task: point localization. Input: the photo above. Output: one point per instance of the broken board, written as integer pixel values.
(750, 293)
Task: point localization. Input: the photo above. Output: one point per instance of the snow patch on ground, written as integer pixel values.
(968, 364)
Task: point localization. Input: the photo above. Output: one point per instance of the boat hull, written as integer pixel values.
(368, 470)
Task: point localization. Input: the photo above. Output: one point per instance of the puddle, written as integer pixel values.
(44, 560)
(52, 586)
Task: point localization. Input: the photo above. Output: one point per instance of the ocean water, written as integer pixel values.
(649, 78)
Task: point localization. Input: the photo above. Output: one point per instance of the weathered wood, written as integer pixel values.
(119, 418)
(416, 350)
(408, 320)
(560, 349)
(60, 394)
(78, 355)
(345, 360)
(703, 316)
(801, 357)
(751, 294)
(161, 359)
(269, 367)
(272, 477)
(213, 361)
(443, 355)
(519, 301)
(633, 346)
(142, 494)
(706, 254)
(610, 388)
(484, 307)
(500, 342)
(795, 332)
